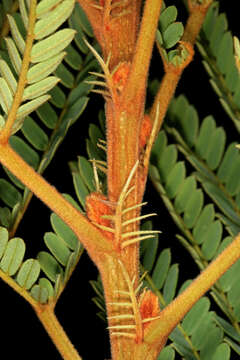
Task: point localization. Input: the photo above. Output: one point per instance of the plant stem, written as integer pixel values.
(55, 331)
(164, 95)
(162, 301)
(6, 132)
(88, 234)
(20, 290)
(143, 51)
(176, 310)
(195, 20)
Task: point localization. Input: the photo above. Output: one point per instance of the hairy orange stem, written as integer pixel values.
(87, 233)
(55, 331)
(143, 52)
(195, 20)
(176, 310)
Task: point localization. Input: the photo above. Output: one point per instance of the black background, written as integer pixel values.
(20, 329)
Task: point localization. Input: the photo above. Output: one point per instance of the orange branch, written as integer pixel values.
(88, 234)
(143, 51)
(176, 310)
(195, 20)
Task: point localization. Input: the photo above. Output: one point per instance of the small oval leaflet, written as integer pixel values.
(52, 45)
(28, 273)
(13, 256)
(48, 24)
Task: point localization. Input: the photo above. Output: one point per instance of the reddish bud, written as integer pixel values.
(120, 75)
(97, 206)
(149, 306)
(146, 129)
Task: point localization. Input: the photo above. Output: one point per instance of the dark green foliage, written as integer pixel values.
(192, 168)
(216, 47)
(214, 167)
(40, 136)
(169, 33)
(35, 143)
(66, 251)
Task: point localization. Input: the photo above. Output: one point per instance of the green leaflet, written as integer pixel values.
(212, 240)
(13, 256)
(57, 247)
(222, 352)
(28, 273)
(6, 97)
(34, 134)
(47, 115)
(80, 188)
(192, 321)
(172, 34)
(16, 34)
(49, 23)
(148, 249)
(80, 16)
(86, 171)
(52, 45)
(45, 283)
(5, 217)
(216, 47)
(39, 88)
(203, 223)
(14, 55)
(167, 353)
(49, 265)
(58, 98)
(167, 17)
(43, 69)
(9, 194)
(168, 34)
(23, 11)
(64, 232)
(65, 75)
(44, 6)
(73, 58)
(167, 160)
(170, 284)
(71, 262)
(228, 328)
(161, 268)
(184, 195)
(40, 294)
(175, 179)
(3, 240)
(31, 106)
(25, 151)
(8, 76)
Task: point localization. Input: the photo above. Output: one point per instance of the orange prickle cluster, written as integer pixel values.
(97, 206)
(120, 75)
(145, 132)
(148, 306)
